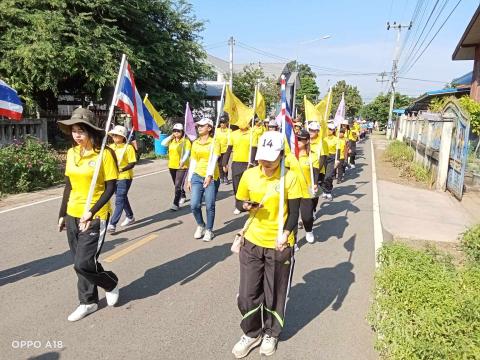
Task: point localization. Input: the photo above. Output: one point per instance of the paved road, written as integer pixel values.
(178, 295)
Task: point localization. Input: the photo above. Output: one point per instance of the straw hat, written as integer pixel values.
(80, 116)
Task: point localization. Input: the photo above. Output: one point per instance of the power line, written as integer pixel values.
(424, 80)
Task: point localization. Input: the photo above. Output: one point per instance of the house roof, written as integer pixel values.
(423, 101)
(464, 80)
(465, 49)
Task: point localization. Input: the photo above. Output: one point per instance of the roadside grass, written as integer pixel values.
(152, 156)
(425, 306)
(401, 156)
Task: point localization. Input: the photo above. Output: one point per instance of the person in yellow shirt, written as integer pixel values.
(86, 228)
(352, 143)
(126, 160)
(266, 260)
(240, 146)
(331, 164)
(204, 178)
(258, 129)
(308, 179)
(223, 135)
(342, 155)
(179, 147)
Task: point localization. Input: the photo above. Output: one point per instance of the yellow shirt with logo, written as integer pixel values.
(175, 152)
(256, 186)
(223, 137)
(80, 170)
(240, 142)
(341, 147)
(331, 142)
(129, 156)
(201, 153)
(353, 133)
(301, 167)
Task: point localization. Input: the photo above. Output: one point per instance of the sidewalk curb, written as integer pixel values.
(379, 232)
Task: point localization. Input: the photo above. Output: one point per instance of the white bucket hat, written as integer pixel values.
(270, 145)
(313, 126)
(178, 126)
(205, 121)
(119, 130)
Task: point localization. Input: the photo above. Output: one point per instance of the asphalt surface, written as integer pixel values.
(178, 295)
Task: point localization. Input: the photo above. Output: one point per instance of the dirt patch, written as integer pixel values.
(385, 170)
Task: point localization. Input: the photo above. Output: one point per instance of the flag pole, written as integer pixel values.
(309, 147)
(104, 141)
(212, 147)
(338, 131)
(184, 134)
(282, 166)
(252, 124)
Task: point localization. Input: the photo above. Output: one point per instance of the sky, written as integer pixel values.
(359, 41)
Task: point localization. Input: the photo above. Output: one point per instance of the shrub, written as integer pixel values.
(471, 243)
(398, 153)
(27, 166)
(424, 307)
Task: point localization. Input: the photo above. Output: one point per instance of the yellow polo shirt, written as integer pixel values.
(341, 147)
(201, 153)
(80, 170)
(331, 143)
(256, 186)
(240, 142)
(223, 136)
(258, 132)
(175, 152)
(301, 167)
(129, 156)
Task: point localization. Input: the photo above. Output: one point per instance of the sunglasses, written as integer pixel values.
(176, 130)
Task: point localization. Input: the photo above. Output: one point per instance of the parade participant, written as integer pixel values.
(266, 262)
(352, 144)
(258, 129)
(126, 160)
(342, 154)
(301, 167)
(297, 127)
(86, 230)
(331, 164)
(240, 146)
(203, 178)
(179, 147)
(273, 125)
(223, 136)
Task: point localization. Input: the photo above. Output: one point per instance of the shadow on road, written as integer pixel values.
(181, 270)
(49, 264)
(47, 356)
(322, 288)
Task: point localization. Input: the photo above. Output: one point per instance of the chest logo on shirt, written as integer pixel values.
(91, 163)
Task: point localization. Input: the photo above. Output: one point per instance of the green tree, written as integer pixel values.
(378, 109)
(55, 46)
(244, 85)
(353, 100)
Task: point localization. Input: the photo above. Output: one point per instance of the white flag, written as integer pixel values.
(340, 114)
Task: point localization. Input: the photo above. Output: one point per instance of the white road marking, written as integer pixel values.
(377, 222)
(59, 197)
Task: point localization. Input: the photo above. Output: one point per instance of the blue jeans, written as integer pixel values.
(121, 201)
(210, 197)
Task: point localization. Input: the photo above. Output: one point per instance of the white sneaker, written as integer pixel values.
(199, 232)
(111, 228)
(244, 345)
(329, 197)
(236, 212)
(81, 311)
(295, 247)
(269, 345)
(352, 166)
(112, 296)
(208, 235)
(309, 237)
(174, 207)
(324, 195)
(127, 221)
(182, 201)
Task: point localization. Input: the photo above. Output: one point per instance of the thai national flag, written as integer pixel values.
(129, 100)
(10, 104)
(292, 139)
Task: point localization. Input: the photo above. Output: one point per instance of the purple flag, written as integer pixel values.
(190, 129)
(340, 115)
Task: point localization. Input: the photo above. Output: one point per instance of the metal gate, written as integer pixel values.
(458, 149)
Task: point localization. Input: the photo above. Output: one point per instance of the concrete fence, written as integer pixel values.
(15, 130)
(430, 135)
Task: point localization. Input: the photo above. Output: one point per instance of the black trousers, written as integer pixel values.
(178, 178)
(238, 168)
(223, 174)
(265, 278)
(327, 185)
(353, 148)
(306, 213)
(340, 169)
(322, 165)
(86, 247)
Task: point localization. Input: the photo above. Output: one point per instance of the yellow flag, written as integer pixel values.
(239, 113)
(260, 106)
(324, 107)
(156, 116)
(311, 113)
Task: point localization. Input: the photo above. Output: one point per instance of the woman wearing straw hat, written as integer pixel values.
(126, 160)
(86, 229)
(203, 178)
(178, 153)
(266, 261)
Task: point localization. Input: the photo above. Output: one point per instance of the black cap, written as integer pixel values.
(303, 135)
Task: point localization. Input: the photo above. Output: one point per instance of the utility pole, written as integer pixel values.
(394, 79)
(231, 43)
